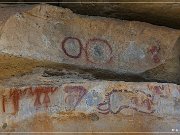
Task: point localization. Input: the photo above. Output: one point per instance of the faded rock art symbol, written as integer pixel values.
(133, 53)
(177, 104)
(92, 98)
(98, 51)
(157, 90)
(74, 96)
(154, 50)
(117, 100)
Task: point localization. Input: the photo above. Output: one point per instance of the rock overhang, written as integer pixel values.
(47, 33)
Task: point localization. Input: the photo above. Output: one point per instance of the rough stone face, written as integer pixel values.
(163, 13)
(60, 72)
(39, 95)
(56, 34)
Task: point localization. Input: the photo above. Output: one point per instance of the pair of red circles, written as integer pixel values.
(88, 45)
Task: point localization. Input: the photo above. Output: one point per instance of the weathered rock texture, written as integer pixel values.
(56, 34)
(163, 12)
(66, 70)
(69, 97)
(152, 11)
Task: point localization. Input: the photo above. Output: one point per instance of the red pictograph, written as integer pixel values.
(39, 91)
(154, 50)
(15, 95)
(107, 105)
(4, 100)
(97, 51)
(75, 95)
(65, 44)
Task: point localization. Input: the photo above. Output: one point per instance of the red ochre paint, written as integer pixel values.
(16, 94)
(107, 105)
(156, 58)
(66, 52)
(15, 97)
(38, 91)
(87, 47)
(148, 103)
(154, 51)
(3, 103)
(158, 90)
(76, 93)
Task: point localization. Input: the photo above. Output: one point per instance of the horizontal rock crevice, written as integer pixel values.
(62, 71)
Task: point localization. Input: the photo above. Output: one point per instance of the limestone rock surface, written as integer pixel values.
(69, 97)
(70, 73)
(55, 34)
(163, 12)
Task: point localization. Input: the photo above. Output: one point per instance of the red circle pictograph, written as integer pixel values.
(64, 47)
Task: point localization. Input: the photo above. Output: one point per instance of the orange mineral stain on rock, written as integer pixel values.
(88, 122)
(71, 116)
(42, 123)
